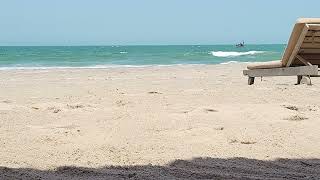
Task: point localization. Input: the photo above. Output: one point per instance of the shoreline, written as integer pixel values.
(114, 66)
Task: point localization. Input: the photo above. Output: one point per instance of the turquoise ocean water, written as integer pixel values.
(29, 57)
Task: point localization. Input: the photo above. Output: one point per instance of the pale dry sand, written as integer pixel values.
(157, 122)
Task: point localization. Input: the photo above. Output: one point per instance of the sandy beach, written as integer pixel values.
(197, 122)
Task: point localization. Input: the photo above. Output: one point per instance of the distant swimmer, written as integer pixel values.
(240, 44)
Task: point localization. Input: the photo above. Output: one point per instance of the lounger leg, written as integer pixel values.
(309, 81)
(250, 80)
(299, 78)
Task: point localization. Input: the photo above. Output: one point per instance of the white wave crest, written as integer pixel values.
(233, 53)
(230, 62)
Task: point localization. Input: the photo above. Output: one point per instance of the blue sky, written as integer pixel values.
(109, 22)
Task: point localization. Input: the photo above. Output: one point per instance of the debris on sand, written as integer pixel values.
(219, 128)
(154, 92)
(210, 110)
(77, 106)
(248, 142)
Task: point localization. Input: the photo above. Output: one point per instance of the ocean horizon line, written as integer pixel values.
(92, 45)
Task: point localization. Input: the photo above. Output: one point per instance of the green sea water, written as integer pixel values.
(18, 57)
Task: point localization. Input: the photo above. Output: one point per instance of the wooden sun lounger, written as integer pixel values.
(301, 57)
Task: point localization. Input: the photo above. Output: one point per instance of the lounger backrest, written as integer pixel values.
(304, 43)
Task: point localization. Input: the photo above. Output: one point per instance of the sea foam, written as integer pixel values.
(233, 53)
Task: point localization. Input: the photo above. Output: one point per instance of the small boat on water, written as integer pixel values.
(240, 44)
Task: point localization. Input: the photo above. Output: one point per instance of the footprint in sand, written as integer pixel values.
(187, 111)
(76, 106)
(296, 118)
(312, 108)
(54, 109)
(292, 108)
(69, 129)
(7, 101)
(72, 126)
(306, 108)
(233, 141)
(121, 103)
(6, 107)
(207, 110)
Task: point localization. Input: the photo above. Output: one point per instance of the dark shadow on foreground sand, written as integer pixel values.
(198, 168)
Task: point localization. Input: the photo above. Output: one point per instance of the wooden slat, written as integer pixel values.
(314, 27)
(313, 33)
(312, 61)
(311, 39)
(309, 51)
(305, 62)
(298, 45)
(310, 46)
(287, 71)
(310, 56)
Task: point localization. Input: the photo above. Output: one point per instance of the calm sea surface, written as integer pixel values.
(113, 56)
